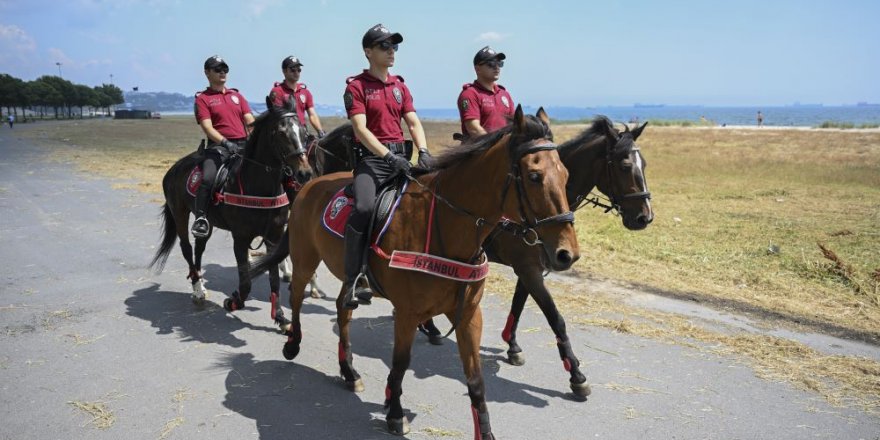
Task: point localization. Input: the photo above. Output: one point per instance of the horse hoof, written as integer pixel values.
(398, 426)
(581, 390)
(356, 385)
(198, 300)
(315, 294)
(290, 350)
(435, 339)
(516, 358)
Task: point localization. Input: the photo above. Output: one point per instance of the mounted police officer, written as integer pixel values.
(484, 105)
(291, 68)
(375, 102)
(224, 115)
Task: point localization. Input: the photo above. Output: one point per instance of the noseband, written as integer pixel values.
(614, 200)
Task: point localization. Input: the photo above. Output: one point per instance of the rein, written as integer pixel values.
(613, 200)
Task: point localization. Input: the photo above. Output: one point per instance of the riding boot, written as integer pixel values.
(201, 228)
(354, 254)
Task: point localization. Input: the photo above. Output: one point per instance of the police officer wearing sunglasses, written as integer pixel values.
(375, 102)
(291, 88)
(224, 115)
(484, 104)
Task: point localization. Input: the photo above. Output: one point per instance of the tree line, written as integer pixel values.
(55, 93)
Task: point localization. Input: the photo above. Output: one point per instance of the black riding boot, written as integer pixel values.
(201, 228)
(354, 254)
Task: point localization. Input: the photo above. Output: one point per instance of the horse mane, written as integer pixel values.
(534, 129)
(600, 126)
(342, 135)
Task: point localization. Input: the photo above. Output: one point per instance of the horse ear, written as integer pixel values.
(608, 128)
(542, 115)
(638, 131)
(518, 118)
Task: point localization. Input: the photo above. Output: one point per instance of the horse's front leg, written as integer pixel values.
(346, 369)
(195, 270)
(469, 332)
(240, 248)
(534, 282)
(514, 352)
(404, 335)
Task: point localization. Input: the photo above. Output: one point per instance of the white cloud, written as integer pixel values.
(491, 36)
(255, 8)
(15, 39)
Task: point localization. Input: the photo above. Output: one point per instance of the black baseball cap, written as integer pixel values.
(378, 34)
(488, 54)
(290, 62)
(215, 61)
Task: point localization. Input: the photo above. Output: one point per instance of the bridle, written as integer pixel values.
(613, 200)
(282, 152)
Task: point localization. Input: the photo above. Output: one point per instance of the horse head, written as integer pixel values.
(280, 128)
(623, 181)
(540, 178)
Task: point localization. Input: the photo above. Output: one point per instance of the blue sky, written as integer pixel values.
(560, 53)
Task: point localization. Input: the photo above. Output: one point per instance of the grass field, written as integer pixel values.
(778, 223)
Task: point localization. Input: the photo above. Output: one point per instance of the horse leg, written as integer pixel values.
(316, 291)
(404, 335)
(236, 302)
(274, 276)
(346, 369)
(285, 270)
(514, 352)
(541, 295)
(199, 293)
(468, 333)
(431, 331)
(304, 265)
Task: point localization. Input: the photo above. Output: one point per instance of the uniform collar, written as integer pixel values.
(210, 91)
(495, 90)
(367, 76)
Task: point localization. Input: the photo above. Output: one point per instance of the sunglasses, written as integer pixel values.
(385, 45)
(221, 70)
(295, 69)
(494, 64)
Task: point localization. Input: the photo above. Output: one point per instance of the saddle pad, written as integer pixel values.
(194, 181)
(340, 206)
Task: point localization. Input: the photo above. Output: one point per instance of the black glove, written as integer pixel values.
(321, 134)
(232, 147)
(399, 163)
(426, 161)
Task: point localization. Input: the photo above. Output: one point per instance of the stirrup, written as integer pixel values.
(351, 300)
(201, 227)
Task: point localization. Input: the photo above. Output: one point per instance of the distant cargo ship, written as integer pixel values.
(638, 105)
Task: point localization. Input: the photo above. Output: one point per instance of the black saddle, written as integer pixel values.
(384, 200)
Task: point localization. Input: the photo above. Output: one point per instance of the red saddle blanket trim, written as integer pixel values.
(252, 201)
(439, 266)
(336, 213)
(194, 181)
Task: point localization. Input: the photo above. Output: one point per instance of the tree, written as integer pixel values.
(11, 92)
(85, 96)
(45, 94)
(113, 93)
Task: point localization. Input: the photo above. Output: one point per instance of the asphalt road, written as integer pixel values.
(84, 322)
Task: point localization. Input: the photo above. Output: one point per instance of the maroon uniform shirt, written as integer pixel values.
(489, 106)
(303, 98)
(225, 109)
(384, 103)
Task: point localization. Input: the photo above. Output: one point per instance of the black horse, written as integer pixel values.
(602, 157)
(253, 199)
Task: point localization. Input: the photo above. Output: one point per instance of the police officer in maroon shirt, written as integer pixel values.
(224, 115)
(375, 101)
(291, 68)
(484, 104)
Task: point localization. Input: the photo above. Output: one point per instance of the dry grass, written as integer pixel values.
(102, 417)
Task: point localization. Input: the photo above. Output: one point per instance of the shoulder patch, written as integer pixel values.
(348, 100)
(464, 104)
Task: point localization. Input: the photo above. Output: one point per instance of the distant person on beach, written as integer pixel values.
(10, 120)
(484, 104)
(224, 115)
(760, 119)
(291, 68)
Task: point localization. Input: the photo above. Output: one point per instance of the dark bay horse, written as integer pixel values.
(514, 172)
(599, 157)
(275, 151)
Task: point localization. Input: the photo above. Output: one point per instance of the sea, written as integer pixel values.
(781, 116)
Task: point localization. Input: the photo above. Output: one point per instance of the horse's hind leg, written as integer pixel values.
(199, 293)
(468, 334)
(431, 331)
(304, 265)
(240, 248)
(514, 352)
(404, 335)
(535, 284)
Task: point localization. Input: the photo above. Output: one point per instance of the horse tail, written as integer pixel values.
(169, 236)
(279, 253)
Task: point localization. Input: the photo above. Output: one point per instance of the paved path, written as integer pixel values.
(83, 321)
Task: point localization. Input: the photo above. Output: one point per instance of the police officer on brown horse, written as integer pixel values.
(224, 115)
(375, 102)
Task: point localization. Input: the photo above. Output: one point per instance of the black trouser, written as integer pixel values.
(370, 174)
(214, 156)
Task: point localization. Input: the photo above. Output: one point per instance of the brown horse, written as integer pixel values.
(515, 172)
(599, 157)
